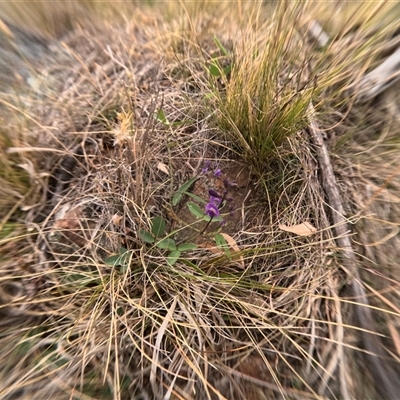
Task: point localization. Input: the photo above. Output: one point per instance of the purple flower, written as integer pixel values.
(215, 197)
(212, 210)
(215, 200)
(213, 193)
(206, 166)
(217, 172)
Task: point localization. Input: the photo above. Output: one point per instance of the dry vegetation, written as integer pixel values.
(106, 111)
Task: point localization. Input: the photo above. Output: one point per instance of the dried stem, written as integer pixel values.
(384, 377)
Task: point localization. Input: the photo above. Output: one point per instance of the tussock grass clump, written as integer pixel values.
(114, 285)
(267, 88)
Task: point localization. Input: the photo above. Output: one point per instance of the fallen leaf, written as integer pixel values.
(163, 168)
(216, 250)
(303, 229)
(212, 247)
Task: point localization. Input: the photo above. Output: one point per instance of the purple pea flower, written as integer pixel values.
(213, 193)
(212, 210)
(215, 200)
(215, 197)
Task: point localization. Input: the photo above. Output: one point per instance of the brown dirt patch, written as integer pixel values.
(241, 195)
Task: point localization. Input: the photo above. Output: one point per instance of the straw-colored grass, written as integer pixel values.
(102, 126)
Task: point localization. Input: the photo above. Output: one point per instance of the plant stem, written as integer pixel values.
(204, 229)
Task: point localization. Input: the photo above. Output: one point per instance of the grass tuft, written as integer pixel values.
(267, 90)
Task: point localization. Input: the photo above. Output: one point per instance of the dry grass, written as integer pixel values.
(97, 137)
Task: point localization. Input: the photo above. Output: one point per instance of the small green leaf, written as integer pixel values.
(158, 226)
(197, 198)
(118, 259)
(113, 261)
(227, 69)
(160, 116)
(77, 278)
(173, 257)
(122, 250)
(187, 246)
(220, 241)
(167, 244)
(177, 198)
(183, 189)
(221, 46)
(214, 69)
(146, 236)
(179, 123)
(195, 209)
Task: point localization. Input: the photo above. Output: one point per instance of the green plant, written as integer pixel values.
(215, 68)
(264, 99)
(158, 225)
(119, 260)
(222, 244)
(183, 190)
(161, 117)
(252, 295)
(157, 234)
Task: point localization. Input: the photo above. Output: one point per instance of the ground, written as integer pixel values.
(120, 123)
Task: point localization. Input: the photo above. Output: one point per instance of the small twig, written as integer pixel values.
(384, 378)
(318, 33)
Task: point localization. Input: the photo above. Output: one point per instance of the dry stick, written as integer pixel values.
(375, 81)
(379, 79)
(384, 378)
